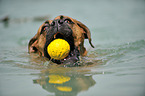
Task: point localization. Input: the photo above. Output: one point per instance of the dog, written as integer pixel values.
(64, 27)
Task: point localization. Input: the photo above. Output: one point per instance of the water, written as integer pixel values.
(115, 67)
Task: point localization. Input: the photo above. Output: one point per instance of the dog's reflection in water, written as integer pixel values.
(64, 84)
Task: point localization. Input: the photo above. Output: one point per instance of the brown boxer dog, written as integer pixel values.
(64, 27)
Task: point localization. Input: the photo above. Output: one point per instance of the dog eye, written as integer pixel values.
(44, 28)
(67, 21)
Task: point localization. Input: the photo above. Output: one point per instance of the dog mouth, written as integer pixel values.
(58, 35)
(69, 39)
(73, 55)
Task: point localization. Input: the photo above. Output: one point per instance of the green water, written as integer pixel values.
(115, 67)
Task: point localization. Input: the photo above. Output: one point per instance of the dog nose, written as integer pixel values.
(57, 22)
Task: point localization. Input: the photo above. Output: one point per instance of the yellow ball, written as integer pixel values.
(58, 49)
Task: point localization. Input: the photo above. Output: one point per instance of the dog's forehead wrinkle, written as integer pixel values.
(47, 22)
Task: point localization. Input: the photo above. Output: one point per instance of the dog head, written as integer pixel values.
(64, 27)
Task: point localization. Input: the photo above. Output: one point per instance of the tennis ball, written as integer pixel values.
(58, 49)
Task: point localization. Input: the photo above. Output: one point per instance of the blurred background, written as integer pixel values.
(115, 67)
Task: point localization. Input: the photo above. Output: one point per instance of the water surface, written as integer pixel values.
(115, 67)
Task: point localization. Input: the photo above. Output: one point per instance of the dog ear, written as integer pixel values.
(32, 46)
(87, 33)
